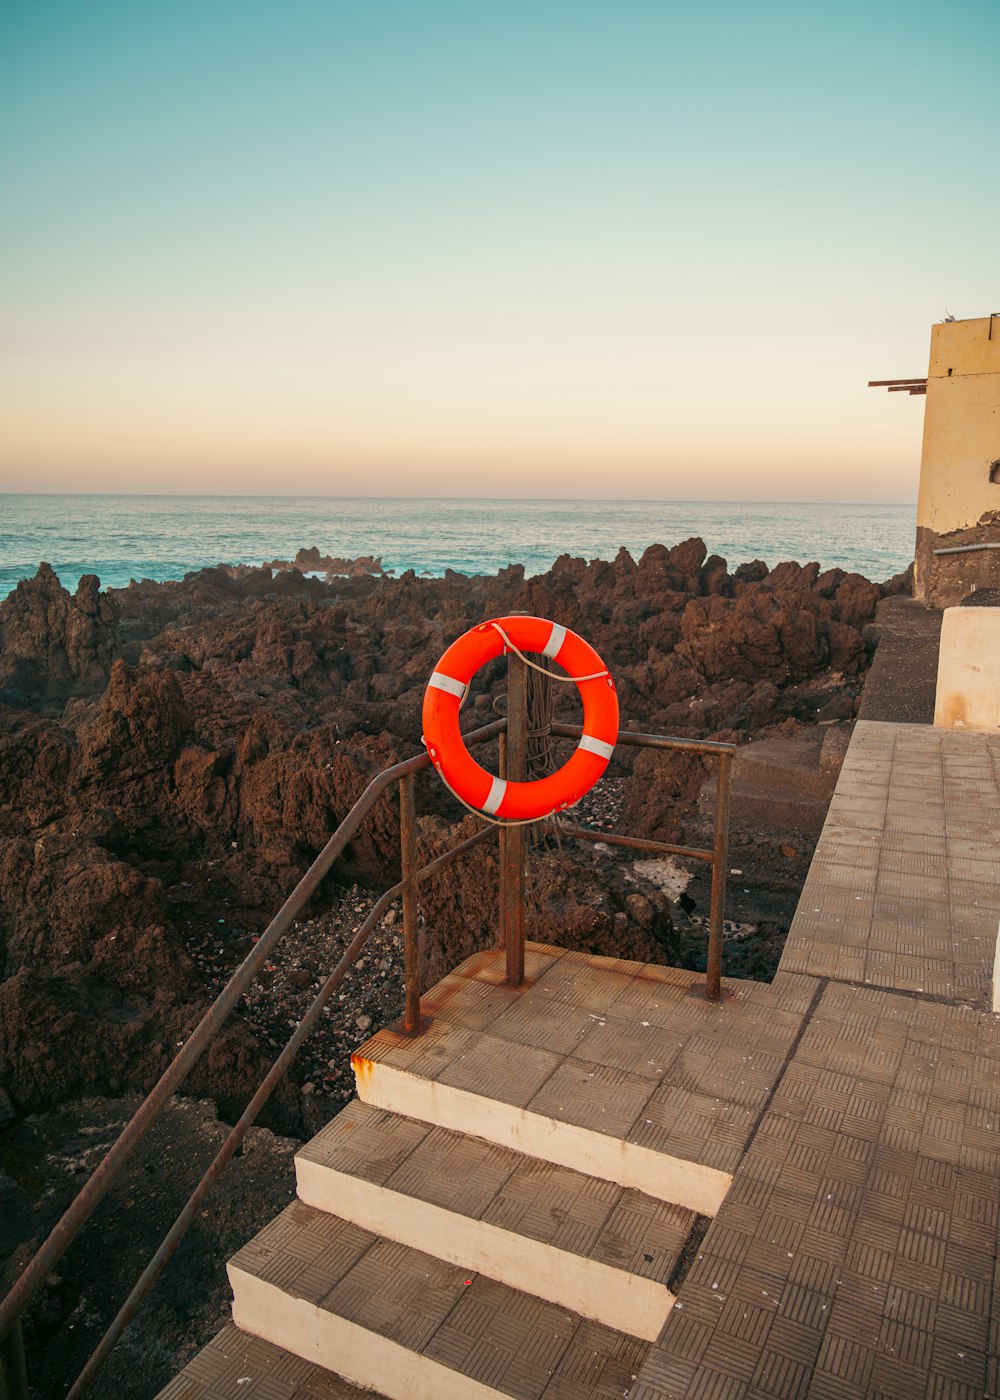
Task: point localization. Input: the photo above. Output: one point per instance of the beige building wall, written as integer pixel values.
(959, 499)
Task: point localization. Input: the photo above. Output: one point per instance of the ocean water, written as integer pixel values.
(163, 537)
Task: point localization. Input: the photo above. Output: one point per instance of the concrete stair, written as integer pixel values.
(412, 1325)
(599, 1249)
(506, 1210)
(620, 1070)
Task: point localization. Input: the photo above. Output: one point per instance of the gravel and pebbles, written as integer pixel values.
(370, 996)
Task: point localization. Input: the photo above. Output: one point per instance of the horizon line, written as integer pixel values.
(539, 500)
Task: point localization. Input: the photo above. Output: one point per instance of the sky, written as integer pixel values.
(459, 247)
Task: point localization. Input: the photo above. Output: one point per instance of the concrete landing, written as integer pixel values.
(601, 1250)
(904, 888)
(782, 783)
(619, 1070)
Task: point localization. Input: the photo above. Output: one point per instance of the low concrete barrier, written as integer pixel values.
(968, 679)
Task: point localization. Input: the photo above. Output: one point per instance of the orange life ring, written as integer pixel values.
(446, 691)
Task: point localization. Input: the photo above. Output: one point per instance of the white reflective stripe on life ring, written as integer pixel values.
(442, 682)
(597, 746)
(497, 789)
(553, 646)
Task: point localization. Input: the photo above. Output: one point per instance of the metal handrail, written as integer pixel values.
(267, 1086)
(86, 1201)
(12, 1361)
(718, 855)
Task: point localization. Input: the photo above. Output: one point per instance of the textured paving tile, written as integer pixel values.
(515, 1343)
(538, 959)
(304, 1252)
(236, 1366)
(537, 1200)
(593, 1096)
(904, 889)
(513, 1072)
(628, 1050)
(855, 1254)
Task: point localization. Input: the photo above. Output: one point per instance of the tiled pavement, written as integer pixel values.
(854, 1256)
(904, 889)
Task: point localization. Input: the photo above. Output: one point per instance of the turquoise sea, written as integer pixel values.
(163, 537)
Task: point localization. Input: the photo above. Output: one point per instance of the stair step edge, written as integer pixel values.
(406, 1323)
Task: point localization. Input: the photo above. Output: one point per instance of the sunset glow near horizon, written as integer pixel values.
(438, 249)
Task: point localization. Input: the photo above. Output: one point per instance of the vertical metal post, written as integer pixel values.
(512, 869)
(538, 735)
(411, 940)
(720, 869)
(502, 835)
(13, 1366)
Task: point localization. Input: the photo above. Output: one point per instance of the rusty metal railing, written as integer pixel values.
(511, 732)
(12, 1356)
(719, 853)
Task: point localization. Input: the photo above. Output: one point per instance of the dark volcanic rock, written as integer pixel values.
(62, 896)
(67, 1033)
(314, 561)
(36, 759)
(45, 1159)
(138, 729)
(602, 911)
(52, 645)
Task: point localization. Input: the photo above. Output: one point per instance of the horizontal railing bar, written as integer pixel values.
(650, 741)
(83, 1205)
(172, 1239)
(635, 843)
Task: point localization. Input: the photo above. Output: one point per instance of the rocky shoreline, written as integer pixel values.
(172, 756)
